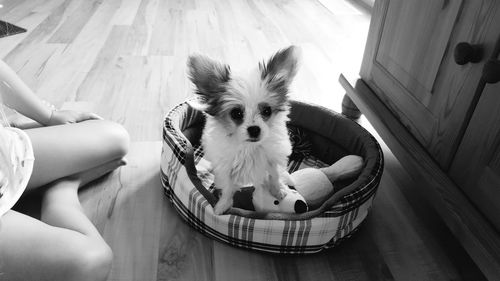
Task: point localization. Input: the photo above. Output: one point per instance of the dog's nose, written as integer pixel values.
(300, 207)
(253, 131)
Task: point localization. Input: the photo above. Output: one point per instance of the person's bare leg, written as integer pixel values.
(65, 246)
(32, 250)
(61, 206)
(64, 150)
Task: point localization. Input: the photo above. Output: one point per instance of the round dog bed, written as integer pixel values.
(329, 137)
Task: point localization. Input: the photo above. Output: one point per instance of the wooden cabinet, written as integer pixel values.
(409, 64)
(440, 118)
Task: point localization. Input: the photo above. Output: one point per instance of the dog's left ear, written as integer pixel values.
(280, 70)
(210, 78)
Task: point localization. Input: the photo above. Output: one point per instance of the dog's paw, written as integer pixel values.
(222, 206)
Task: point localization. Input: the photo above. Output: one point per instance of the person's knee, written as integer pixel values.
(92, 262)
(121, 139)
(116, 138)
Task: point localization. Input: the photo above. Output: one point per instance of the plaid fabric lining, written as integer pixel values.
(276, 236)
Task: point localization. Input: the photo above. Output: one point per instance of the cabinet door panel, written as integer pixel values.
(476, 167)
(413, 42)
(409, 64)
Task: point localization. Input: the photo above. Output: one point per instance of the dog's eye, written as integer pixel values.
(236, 114)
(266, 111)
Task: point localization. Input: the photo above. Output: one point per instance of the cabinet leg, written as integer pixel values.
(349, 109)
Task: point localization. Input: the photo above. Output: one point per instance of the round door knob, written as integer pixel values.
(491, 71)
(465, 53)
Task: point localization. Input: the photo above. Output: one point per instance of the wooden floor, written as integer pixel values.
(127, 57)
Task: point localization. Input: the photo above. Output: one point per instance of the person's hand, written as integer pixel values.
(60, 117)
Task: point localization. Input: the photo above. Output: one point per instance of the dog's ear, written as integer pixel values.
(279, 71)
(209, 77)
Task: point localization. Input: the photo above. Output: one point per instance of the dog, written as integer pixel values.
(245, 135)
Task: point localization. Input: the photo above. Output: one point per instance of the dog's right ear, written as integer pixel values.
(209, 77)
(280, 70)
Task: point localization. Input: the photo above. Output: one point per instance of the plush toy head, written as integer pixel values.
(292, 203)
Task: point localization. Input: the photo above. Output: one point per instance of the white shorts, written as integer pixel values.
(16, 166)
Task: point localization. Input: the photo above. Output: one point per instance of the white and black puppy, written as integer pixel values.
(245, 137)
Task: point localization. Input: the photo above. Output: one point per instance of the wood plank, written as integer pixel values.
(77, 15)
(26, 14)
(140, 29)
(60, 86)
(479, 238)
(239, 264)
(127, 12)
(406, 261)
(18, 57)
(442, 245)
(184, 253)
(165, 30)
(147, 81)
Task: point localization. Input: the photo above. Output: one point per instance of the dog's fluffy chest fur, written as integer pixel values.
(247, 162)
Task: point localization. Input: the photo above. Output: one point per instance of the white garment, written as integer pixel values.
(16, 165)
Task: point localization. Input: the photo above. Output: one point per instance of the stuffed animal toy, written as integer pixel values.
(262, 201)
(312, 188)
(293, 202)
(316, 185)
